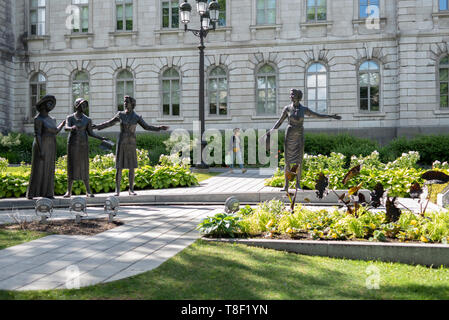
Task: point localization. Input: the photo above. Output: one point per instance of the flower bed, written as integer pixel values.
(396, 176)
(272, 220)
(171, 173)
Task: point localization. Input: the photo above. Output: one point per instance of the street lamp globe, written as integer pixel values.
(201, 6)
(185, 9)
(206, 20)
(214, 10)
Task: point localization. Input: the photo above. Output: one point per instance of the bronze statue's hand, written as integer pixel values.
(163, 128)
(337, 117)
(94, 126)
(74, 128)
(104, 139)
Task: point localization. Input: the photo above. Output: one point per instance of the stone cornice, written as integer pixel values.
(213, 46)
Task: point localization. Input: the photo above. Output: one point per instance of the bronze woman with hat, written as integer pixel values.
(126, 155)
(42, 179)
(294, 135)
(80, 128)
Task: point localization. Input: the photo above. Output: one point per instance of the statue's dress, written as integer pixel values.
(294, 135)
(78, 147)
(126, 155)
(42, 179)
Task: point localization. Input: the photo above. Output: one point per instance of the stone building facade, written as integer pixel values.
(7, 67)
(398, 47)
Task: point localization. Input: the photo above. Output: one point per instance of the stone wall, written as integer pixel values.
(6, 65)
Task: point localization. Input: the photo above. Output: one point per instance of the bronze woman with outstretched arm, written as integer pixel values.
(126, 155)
(294, 135)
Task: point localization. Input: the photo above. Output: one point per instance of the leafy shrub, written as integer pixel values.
(102, 179)
(271, 217)
(220, 225)
(16, 153)
(397, 176)
(3, 164)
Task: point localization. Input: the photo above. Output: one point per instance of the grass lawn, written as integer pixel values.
(226, 271)
(9, 238)
(205, 176)
(199, 176)
(21, 169)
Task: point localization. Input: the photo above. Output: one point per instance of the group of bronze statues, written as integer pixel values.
(80, 127)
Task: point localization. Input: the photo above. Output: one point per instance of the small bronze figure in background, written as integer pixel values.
(126, 155)
(80, 128)
(42, 179)
(294, 135)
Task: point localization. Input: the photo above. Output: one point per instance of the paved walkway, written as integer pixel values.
(150, 236)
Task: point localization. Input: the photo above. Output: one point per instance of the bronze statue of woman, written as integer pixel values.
(80, 128)
(42, 179)
(294, 135)
(126, 155)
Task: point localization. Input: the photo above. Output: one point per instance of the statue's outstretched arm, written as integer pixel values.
(107, 124)
(313, 114)
(148, 127)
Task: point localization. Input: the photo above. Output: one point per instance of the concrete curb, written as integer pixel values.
(306, 197)
(409, 253)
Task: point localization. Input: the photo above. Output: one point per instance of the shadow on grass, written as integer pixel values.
(233, 272)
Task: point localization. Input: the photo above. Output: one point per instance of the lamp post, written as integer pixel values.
(208, 18)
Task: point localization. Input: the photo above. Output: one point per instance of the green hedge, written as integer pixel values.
(147, 177)
(430, 147)
(16, 154)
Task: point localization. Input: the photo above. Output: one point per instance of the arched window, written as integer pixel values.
(369, 83)
(124, 87)
(38, 89)
(317, 88)
(444, 82)
(80, 87)
(170, 93)
(266, 90)
(218, 92)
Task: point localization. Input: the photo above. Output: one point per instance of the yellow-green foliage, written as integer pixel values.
(336, 224)
(397, 176)
(147, 177)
